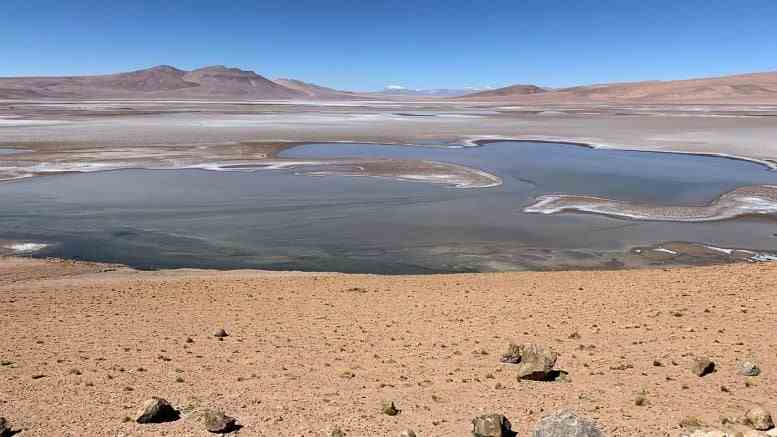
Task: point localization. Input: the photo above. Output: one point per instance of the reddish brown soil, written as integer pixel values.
(83, 348)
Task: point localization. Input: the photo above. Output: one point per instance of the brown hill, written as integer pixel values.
(508, 91)
(222, 81)
(156, 82)
(743, 88)
(316, 91)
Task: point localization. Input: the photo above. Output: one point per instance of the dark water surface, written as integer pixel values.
(274, 219)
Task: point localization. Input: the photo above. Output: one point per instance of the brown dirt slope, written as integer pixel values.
(156, 82)
(744, 88)
(316, 91)
(310, 352)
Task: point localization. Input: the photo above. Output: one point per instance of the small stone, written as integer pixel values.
(702, 366)
(758, 418)
(566, 424)
(389, 408)
(156, 410)
(513, 354)
(407, 433)
(640, 400)
(691, 422)
(492, 425)
(748, 368)
(5, 427)
(337, 432)
(218, 422)
(220, 333)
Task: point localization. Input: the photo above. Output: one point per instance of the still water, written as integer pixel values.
(274, 219)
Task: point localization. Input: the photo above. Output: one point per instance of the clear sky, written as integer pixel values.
(366, 44)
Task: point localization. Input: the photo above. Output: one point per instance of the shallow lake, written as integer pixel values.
(274, 219)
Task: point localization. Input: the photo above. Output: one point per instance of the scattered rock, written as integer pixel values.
(513, 354)
(758, 418)
(220, 333)
(566, 424)
(691, 422)
(640, 400)
(702, 366)
(390, 409)
(407, 433)
(5, 427)
(492, 425)
(337, 432)
(156, 410)
(748, 368)
(534, 362)
(217, 422)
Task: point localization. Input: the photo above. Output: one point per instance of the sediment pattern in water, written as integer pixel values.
(743, 201)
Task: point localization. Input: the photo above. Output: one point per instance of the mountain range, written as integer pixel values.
(165, 81)
(753, 88)
(220, 82)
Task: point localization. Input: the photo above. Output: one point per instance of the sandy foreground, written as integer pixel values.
(85, 344)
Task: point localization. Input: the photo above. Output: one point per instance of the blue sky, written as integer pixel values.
(370, 44)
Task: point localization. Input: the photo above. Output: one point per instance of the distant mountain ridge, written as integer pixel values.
(742, 88)
(512, 90)
(313, 90)
(162, 81)
(221, 82)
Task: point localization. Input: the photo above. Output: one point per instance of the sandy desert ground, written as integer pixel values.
(86, 344)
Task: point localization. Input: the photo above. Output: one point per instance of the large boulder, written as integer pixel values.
(566, 424)
(492, 425)
(156, 410)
